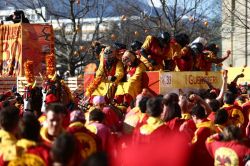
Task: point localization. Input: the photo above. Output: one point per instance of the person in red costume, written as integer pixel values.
(88, 142)
(205, 55)
(203, 131)
(135, 117)
(215, 106)
(210, 56)
(228, 148)
(155, 50)
(235, 114)
(182, 53)
(136, 47)
(221, 120)
(172, 116)
(154, 127)
(113, 118)
(246, 113)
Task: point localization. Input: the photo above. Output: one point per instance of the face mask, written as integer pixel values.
(125, 60)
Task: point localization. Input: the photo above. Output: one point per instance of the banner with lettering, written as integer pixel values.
(22, 42)
(10, 48)
(172, 81)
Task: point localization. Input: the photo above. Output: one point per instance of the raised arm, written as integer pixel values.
(223, 87)
(198, 99)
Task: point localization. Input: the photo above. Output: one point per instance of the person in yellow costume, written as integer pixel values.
(118, 49)
(108, 75)
(134, 69)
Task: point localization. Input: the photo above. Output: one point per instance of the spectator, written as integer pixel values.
(9, 118)
(221, 120)
(97, 159)
(227, 148)
(234, 112)
(29, 146)
(87, 142)
(203, 131)
(64, 149)
(154, 127)
(54, 123)
(172, 116)
(96, 125)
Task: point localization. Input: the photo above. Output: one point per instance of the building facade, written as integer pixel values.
(87, 26)
(235, 31)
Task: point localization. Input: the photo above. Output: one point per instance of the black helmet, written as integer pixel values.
(213, 47)
(197, 48)
(182, 39)
(119, 46)
(136, 45)
(165, 36)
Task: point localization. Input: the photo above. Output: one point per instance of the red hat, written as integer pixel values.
(51, 98)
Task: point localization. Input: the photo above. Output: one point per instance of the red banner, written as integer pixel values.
(22, 42)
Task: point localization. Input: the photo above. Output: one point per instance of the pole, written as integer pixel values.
(246, 35)
(232, 31)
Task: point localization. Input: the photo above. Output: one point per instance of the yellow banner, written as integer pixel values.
(172, 81)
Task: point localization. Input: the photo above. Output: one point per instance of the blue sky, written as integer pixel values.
(213, 5)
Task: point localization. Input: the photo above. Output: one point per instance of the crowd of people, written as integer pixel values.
(120, 122)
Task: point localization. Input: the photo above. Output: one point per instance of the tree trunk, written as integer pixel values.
(72, 70)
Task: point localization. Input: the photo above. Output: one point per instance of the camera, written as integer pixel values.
(17, 17)
(9, 18)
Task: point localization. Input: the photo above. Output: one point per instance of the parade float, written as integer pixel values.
(21, 42)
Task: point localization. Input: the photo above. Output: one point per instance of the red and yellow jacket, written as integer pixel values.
(227, 152)
(203, 131)
(154, 129)
(156, 52)
(235, 114)
(88, 142)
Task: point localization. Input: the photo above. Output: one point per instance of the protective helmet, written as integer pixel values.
(136, 45)
(119, 46)
(165, 36)
(197, 48)
(201, 40)
(182, 39)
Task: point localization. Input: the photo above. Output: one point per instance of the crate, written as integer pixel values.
(73, 82)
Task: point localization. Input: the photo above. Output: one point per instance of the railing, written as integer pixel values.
(6, 83)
